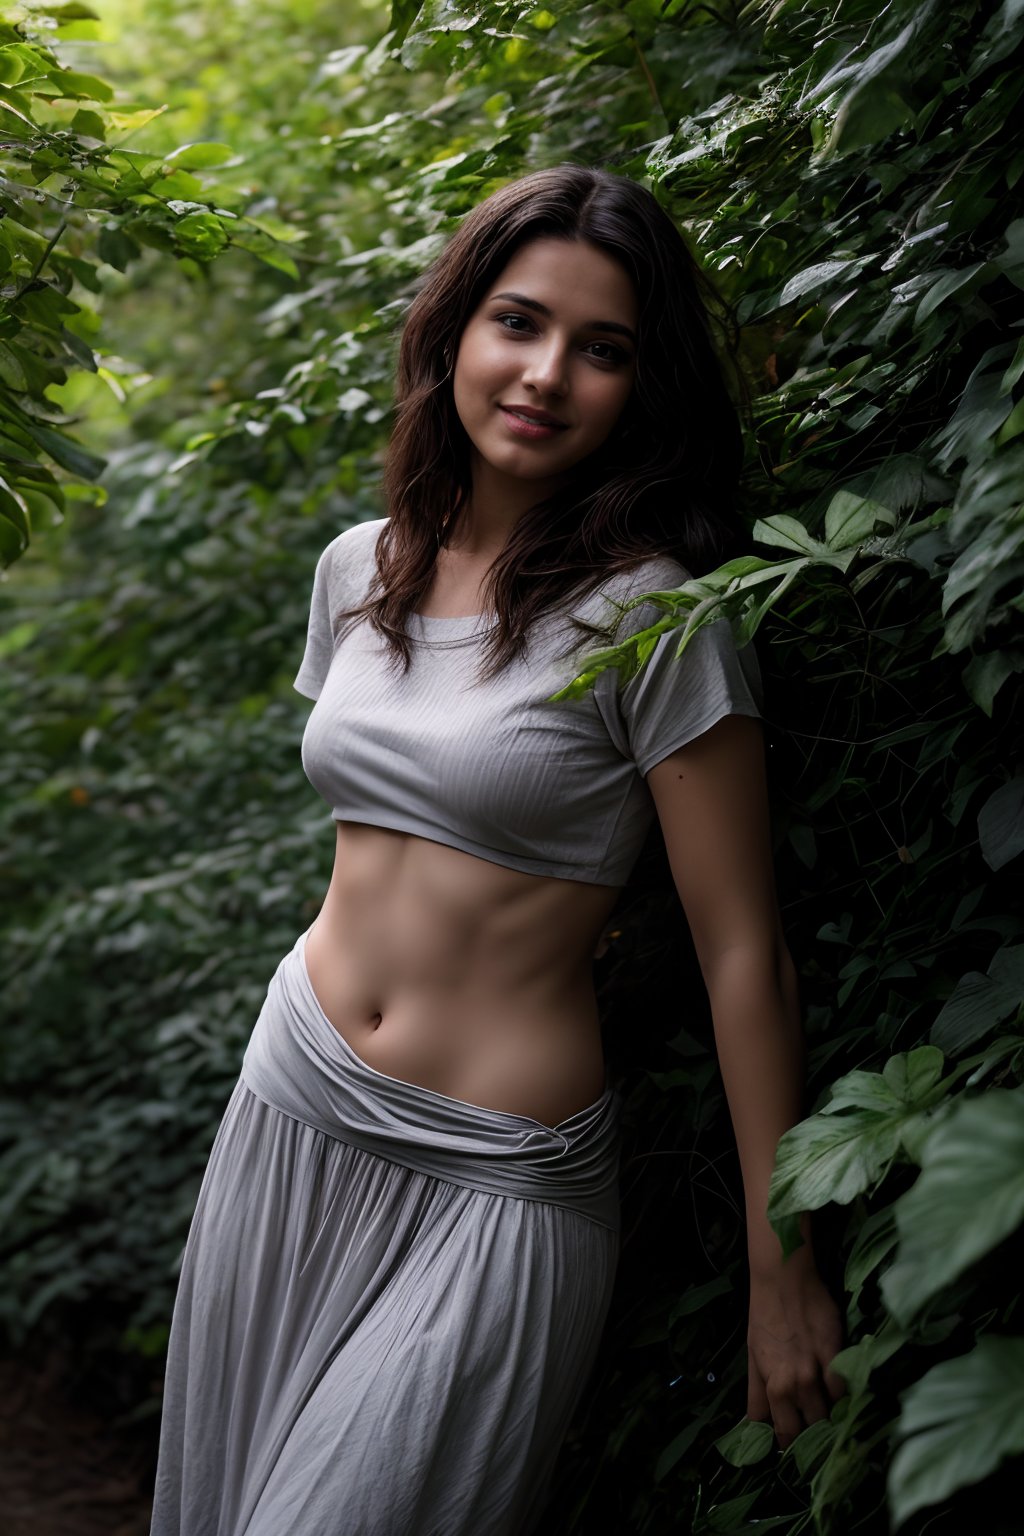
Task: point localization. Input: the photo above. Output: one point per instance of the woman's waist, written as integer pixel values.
(533, 1049)
(297, 1062)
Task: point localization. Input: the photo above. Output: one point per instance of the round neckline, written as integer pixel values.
(433, 629)
(447, 618)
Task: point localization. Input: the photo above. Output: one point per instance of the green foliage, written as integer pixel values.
(871, 1119)
(68, 172)
(968, 1198)
(850, 180)
(958, 1423)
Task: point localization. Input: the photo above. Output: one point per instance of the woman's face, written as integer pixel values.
(555, 333)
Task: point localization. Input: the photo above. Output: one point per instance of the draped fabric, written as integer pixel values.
(390, 1300)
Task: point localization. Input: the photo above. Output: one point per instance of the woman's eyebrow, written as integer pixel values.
(542, 309)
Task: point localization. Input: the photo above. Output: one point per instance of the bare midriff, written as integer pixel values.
(461, 975)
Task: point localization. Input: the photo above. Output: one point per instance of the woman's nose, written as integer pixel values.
(547, 369)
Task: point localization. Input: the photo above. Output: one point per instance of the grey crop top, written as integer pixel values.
(494, 768)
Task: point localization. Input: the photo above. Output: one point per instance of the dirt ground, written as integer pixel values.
(64, 1471)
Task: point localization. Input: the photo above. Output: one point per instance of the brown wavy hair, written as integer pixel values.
(663, 483)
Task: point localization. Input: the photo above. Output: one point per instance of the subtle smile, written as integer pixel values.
(529, 426)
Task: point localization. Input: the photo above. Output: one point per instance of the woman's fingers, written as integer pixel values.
(757, 1397)
(834, 1384)
(785, 1418)
(791, 1400)
(794, 1333)
(810, 1396)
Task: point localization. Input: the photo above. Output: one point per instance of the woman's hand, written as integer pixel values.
(795, 1331)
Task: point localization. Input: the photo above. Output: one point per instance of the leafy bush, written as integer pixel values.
(850, 179)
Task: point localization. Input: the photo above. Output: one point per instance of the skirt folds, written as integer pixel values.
(390, 1300)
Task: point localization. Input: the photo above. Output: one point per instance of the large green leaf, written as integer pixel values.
(984, 675)
(67, 452)
(822, 277)
(842, 1150)
(747, 1442)
(860, 84)
(874, 1242)
(1001, 823)
(967, 1198)
(979, 1003)
(200, 155)
(905, 1082)
(850, 519)
(981, 409)
(957, 1424)
(785, 532)
(857, 1361)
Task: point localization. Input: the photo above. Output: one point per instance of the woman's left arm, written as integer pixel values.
(711, 798)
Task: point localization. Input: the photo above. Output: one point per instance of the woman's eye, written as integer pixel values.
(614, 354)
(503, 318)
(617, 354)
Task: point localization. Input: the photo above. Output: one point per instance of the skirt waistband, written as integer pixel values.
(298, 1063)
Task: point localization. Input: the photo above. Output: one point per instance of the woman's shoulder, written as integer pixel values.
(348, 559)
(656, 573)
(653, 573)
(358, 538)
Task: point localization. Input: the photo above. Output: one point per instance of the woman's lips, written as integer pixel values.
(524, 428)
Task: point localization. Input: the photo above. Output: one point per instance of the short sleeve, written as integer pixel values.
(319, 652)
(673, 699)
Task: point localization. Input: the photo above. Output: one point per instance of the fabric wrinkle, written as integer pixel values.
(297, 1062)
(499, 768)
(390, 1300)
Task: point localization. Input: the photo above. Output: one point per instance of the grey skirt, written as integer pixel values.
(390, 1300)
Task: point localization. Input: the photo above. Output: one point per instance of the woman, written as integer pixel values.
(405, 1242)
